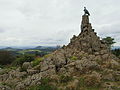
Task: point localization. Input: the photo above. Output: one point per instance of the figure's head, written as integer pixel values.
(84, 7)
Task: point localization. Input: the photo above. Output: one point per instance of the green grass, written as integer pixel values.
(26, 51)
(7, 69)
(48, 55)
(45, 85)
(65, 78)
(83, 86)
(6, 84)
(37, 61)
(73, 58)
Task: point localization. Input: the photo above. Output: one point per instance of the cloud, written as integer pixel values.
(53, 22)
(2, 30)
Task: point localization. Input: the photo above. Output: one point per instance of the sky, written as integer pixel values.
(54, 22)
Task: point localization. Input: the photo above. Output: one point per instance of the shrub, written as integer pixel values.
(37, 61)
(91, 80)
(24, 58)
(65, 78)
(45, 81)
(82, 82)
(83, 85)
(6, 84)
(1, 66)
(99, 61)
(6, 57)
(7, 69)
(43, 87)
(48, 55)
(73, 58)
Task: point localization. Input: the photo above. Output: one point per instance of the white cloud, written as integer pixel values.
(52, 22)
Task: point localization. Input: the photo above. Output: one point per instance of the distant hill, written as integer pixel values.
(11, 49)
(45, 47)
(115, 47)
(38, 47)
(41, 50)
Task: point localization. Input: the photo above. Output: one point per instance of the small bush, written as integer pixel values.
(37, 61)
(92, 81)
(25, 58)
(43, 87)
(73, 58)
(48, 55)
(6, 57)
(45, 81)
(84, 86)
(99, 61)
(1, 66)
(117, 77)
(65, 78)
(6, 84)
(7, 69)
(81, 82)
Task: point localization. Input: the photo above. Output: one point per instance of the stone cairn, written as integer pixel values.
(87, 40)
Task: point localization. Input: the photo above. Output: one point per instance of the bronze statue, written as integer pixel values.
(86, 11)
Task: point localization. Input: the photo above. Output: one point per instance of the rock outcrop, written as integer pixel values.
(84, 62)
(88, 41)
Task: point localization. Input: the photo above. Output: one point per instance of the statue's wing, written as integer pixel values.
(87, 12)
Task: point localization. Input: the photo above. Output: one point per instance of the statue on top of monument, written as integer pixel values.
(86, 11)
